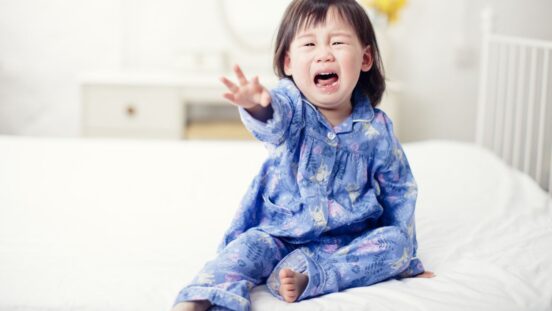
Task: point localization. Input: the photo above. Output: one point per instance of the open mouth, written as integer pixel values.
(325, 79)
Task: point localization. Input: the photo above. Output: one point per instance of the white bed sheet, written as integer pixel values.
(123, 225)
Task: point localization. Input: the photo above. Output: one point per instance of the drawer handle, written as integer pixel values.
(131, 110)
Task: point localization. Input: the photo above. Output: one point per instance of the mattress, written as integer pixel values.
(97, 224)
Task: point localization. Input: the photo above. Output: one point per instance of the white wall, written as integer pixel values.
(436, 56)
(45, 45)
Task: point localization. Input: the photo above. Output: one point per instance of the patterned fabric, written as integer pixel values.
(336, 203)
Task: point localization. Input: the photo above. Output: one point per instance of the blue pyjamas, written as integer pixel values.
(336, 203)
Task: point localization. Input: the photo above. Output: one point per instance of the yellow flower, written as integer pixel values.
(390, 8)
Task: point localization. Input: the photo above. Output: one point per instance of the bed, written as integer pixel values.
(105, 224)
(123, 225)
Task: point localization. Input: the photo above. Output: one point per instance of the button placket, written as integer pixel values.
(332, 139)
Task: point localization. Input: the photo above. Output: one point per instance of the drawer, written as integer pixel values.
(141, 111)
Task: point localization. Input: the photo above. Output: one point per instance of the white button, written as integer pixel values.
(331, 135)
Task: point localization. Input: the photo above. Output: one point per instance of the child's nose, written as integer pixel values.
(325, 55)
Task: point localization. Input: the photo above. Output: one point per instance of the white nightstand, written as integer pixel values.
(145, 106)
(152, 111)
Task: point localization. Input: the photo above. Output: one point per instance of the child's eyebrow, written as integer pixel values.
(309, 35)
(305, 35)
(341, 33)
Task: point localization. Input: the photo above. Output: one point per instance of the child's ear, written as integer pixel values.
(287, 65)
(367, 59)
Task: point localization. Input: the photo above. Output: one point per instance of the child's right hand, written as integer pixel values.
(249, 94)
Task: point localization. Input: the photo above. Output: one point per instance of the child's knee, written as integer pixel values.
(253, 251)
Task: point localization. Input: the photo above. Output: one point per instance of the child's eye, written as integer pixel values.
(338, 43)
(308, 44)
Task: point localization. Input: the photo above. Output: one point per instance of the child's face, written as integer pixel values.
(326, 60)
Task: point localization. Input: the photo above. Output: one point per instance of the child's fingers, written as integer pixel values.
(256, 85)
(264, 96)
(230, 85)
(265, 99)
(240, 75)
(231, 97)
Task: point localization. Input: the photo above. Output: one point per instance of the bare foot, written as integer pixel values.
(426, 275)
(196, 305)
(292, 284)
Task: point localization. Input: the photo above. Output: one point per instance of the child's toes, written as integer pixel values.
(287, 280)
(288, 285)
(286, 273)
(288, 292)
(285, 289)
(290, 295)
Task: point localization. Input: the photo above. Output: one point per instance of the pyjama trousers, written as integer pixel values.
(332, 263)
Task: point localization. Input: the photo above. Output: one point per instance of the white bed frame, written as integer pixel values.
(514, 92)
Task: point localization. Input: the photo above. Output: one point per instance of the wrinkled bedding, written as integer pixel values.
(90, 224)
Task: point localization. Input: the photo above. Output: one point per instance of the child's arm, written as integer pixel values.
(250, 95)
(267, 115)
(398, 194)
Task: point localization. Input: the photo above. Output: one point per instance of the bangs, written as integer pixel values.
(315, 17)
(316, 14)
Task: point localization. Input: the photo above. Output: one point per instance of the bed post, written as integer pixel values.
(486, 29)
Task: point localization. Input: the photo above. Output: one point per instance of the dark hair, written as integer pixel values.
(312, 12)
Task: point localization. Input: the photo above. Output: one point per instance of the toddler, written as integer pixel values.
(333, 205)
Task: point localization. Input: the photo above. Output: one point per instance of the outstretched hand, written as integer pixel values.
(248, 94)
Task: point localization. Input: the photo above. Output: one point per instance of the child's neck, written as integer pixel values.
(336, 116)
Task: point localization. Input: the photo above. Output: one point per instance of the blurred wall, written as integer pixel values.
(45, 46)
(436, 57)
